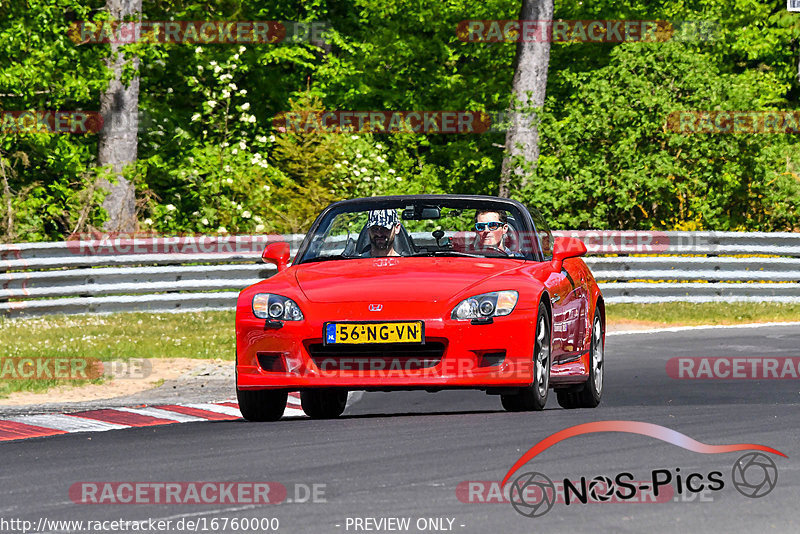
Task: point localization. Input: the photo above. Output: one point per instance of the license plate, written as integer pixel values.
(367, 333)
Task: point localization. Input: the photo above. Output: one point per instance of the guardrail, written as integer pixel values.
(206, 272)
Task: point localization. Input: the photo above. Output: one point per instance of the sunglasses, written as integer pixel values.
(492, 225)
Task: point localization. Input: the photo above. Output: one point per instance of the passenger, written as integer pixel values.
(492, 228)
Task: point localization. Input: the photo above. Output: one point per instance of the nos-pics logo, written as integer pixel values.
(533, 494)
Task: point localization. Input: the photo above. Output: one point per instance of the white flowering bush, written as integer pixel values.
(243, 178)
(362, 168)
(225, 180)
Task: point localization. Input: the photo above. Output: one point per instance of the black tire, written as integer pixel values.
(261, 404)
(591, 393)
(534, 397)
(567, 398)
(511, 402)
(323, 403)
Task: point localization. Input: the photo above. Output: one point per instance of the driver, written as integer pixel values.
(382, 227)
(492, 227)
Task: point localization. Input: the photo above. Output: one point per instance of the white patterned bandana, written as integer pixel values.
(385, 218)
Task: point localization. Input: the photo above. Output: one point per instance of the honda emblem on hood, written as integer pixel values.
(375, 307)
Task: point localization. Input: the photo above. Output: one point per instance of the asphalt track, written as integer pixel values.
(404, 454)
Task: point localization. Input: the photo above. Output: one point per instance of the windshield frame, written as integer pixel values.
(326, 217)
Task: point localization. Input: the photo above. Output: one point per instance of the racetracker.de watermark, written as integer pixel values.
(72, 122)
(429, 122)
(734, 122)
(622, 242)
(41, 368)
(50, 122)
(199, 32)
(733, 368)
(599, 490)
(115, 243)
(404, 122)
(596, 241)
(583, 31)
(195, 492)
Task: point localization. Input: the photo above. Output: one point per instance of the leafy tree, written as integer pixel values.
(118, 139)
(610, 161)
(531, 64)
(51, 179)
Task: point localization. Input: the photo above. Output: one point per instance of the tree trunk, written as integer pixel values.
(8, 199)
(528, 88)
(119, 106)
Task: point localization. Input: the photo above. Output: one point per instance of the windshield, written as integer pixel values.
(431, 227)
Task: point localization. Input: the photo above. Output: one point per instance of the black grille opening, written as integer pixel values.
(271, 361)
(492, 359)
(376, 357)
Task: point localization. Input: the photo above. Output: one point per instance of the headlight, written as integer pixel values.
(276, 307)
(492, 304)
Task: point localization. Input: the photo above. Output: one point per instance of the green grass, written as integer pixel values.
(114, 337)
(211, 334)
(685, 313)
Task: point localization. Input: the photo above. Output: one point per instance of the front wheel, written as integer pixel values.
(323, 403)
(534, 397)
(261, 404)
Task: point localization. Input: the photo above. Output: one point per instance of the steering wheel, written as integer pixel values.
(495, 249)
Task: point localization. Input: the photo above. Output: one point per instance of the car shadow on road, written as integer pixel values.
(378, 415)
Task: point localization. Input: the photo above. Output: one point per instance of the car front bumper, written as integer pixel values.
(456, 354)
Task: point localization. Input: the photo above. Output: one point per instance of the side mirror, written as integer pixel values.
(277, 253)
(567, 247)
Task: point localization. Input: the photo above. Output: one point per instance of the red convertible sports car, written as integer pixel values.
(422, 292)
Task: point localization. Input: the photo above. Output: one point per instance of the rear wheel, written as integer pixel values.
(323, 403)
(590, 393)
(534, 397)
(566, 398)
(261, 404)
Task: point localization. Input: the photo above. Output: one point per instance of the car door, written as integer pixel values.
(574, 312)
(561, 289)
(567, 290)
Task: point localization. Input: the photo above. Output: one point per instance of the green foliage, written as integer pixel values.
(319, 167)
(609, 160)
(50, 176)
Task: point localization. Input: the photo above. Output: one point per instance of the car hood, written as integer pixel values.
(396, 279)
